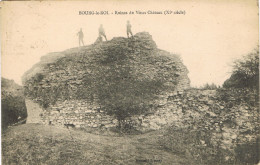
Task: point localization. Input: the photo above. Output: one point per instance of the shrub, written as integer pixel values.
(121, 93)
(13, 108)
(210, 86)
(245, 72)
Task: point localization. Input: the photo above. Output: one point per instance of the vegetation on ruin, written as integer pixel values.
(123, 76)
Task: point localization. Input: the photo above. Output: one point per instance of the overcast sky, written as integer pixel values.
(208, 37)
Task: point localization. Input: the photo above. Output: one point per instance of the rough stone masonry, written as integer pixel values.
(58, 80)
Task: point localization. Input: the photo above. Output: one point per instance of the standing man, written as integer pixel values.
(102, 32)
(80, 35)
(128, 29)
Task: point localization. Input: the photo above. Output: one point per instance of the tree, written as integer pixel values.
(13, 108)
(245, 72)
(120, 92)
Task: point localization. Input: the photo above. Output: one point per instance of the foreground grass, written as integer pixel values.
(40, 144)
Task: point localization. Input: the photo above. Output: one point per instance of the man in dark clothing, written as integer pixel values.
(102, 32)
(128, 29)
(81, 35)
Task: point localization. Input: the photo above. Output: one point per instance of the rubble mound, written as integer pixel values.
(67, 75)
(132, 73)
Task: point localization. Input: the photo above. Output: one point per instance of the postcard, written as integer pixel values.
(130, 82)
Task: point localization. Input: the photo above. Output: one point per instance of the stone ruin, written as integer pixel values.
(45, 83)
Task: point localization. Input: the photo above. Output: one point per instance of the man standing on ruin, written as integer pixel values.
(128, 29)
(102, 32)
(80, 35)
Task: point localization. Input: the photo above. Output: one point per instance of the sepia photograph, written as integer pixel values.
(130, 82)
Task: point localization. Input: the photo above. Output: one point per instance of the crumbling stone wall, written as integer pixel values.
(77, 113)
(67, 75)
(228, 120)
(61, 82)
(84, 113)
(231, 117)
(225, 120)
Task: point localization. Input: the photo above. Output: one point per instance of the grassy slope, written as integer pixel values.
(39, 144)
